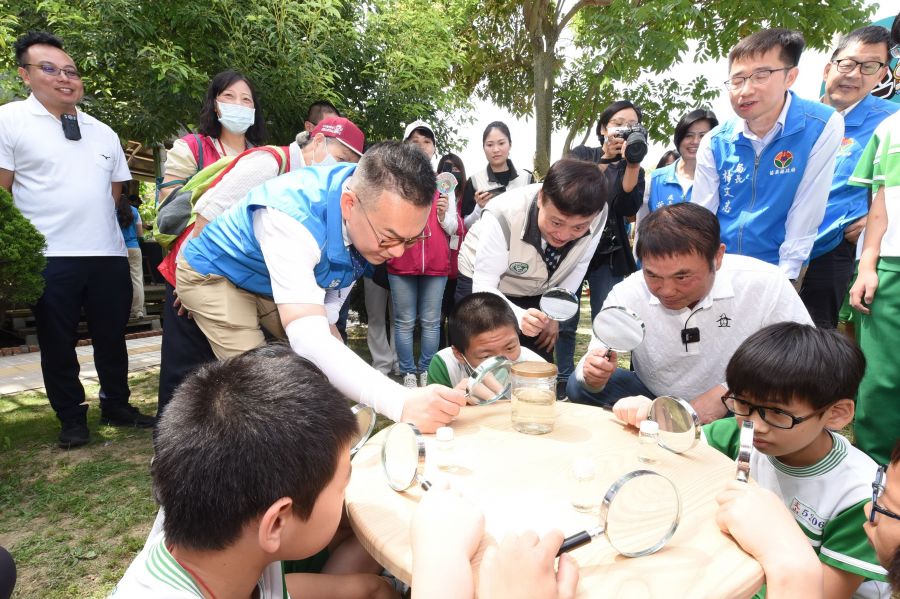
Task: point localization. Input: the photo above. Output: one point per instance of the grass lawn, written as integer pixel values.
(74, 520)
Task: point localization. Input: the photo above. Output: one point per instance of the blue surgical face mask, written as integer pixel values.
(329, 158)
(236, 118)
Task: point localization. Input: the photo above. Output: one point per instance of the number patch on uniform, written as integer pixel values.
(520, 268)
(806, 514)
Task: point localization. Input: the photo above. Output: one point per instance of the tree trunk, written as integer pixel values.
(544, 88)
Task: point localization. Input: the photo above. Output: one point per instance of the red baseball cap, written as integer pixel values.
(343, 130)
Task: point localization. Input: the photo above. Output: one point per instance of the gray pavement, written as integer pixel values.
(22, 372)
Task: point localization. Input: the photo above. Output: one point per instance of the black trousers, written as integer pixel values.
(826, 282)
(464, 288)
(184, 349)
(101, 285)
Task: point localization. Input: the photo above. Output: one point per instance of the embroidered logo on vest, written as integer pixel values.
(783, 159)
(334, 283)
(520, 268)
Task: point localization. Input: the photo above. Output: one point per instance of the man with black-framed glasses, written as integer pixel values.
(766, 174)
(65, 170)
(286, 256)
(857, 65)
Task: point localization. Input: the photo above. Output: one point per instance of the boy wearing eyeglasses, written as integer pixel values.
(796, 384)
(766, 174)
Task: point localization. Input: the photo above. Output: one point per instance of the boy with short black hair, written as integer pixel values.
(481, 325)
(251, 462)
(797, 383)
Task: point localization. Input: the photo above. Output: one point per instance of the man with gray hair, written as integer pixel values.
(857, 65)
(287, 255)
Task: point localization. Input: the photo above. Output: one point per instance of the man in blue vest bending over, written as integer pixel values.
(766, 174)
(286, 256)
(857, 65)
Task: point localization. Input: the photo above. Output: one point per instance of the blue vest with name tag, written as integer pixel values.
(310, 195)
(847, 203)
(757, 192)
(665, 189)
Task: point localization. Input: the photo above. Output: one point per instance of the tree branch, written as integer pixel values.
(578, 6)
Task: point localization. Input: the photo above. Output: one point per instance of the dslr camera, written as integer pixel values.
(635, 138)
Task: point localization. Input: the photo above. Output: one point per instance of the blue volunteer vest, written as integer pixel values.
(848, 203)
(757, 192)
(311, 195)
(665, 189)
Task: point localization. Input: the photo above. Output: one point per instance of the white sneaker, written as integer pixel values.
(409, 381)
(423, 379)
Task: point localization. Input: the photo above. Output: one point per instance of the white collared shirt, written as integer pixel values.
(805, 216)
(747, 295)
(63, 186)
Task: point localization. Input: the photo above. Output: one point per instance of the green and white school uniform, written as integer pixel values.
(155, 574)
(878, 400)
(826, 498)
(445, 369)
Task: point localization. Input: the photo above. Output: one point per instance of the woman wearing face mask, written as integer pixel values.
(672, 184)
(453, 164)
(417, 278)
(499, 176)
(231, 121)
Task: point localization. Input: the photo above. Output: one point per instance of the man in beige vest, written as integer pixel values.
(532, 239)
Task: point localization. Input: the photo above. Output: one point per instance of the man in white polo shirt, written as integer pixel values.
(697, 303)
(64, 169)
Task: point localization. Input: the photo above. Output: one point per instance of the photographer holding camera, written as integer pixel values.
(624, 146)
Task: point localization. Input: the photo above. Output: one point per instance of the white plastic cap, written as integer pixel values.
(445, 433)
(583, 468)
(650, 427)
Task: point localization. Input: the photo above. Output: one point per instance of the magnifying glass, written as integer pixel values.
(639, 514)
(403, 457)
(365, 422)
(743, 458)
(679, 424)
(618, 328)
(490, 381)
(558, 303)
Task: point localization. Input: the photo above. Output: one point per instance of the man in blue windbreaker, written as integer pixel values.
(858, 64)
(766, 174)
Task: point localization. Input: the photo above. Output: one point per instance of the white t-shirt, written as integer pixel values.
(747, 295)
(62, 186)
(155, 574)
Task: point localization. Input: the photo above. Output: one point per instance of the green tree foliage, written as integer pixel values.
(21, 256)
(146, 65)
(516, 53)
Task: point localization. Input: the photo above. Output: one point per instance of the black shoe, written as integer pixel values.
(126, 415)
(74, 434)
(561, 391)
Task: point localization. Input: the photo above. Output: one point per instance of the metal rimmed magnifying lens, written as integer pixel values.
(618, 328)
(403, 457)
(490, 381)
(365, 422)
(639, 514)
(746, 448)
(558, 303)
(679, 424)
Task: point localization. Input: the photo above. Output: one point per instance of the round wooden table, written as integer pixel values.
(523, 482)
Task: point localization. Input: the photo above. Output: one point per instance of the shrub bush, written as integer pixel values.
(21, 257)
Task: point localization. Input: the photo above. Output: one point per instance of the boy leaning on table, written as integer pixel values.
(481, 325)
(252, 457)
(796, 384)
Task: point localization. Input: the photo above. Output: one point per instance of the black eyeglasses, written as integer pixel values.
(53, 70)
(877, 492)
(389, 242)
(848, 65)
(761, 76)
(772, 416)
